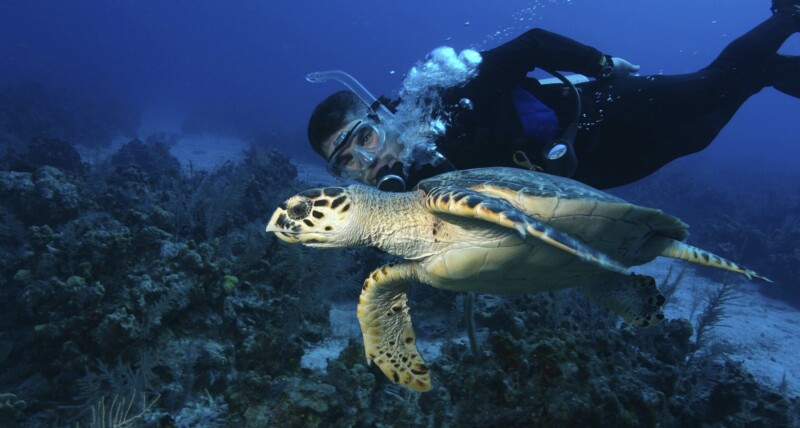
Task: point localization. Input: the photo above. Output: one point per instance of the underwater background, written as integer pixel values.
(143, 145)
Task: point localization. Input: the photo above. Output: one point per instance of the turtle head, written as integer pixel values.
(316, 217)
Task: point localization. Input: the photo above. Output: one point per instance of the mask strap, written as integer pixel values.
(338, 143)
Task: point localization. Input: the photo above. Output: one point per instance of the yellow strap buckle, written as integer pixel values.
(521, 159)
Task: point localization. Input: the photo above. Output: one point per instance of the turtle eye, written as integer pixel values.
(299, 210)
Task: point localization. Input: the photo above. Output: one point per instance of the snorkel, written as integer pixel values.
(391, 179)
(357, 88)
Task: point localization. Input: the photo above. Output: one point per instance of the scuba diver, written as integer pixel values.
(605, 132)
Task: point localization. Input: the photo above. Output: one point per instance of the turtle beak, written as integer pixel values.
(278, 224)
(284, 235)
(294, 232)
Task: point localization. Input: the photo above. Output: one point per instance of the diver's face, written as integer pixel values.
(359, 149)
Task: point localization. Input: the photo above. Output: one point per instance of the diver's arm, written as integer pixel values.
(546, 50)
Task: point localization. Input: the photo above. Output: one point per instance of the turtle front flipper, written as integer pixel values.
(635, 298)
(470, 204)
(389, 338)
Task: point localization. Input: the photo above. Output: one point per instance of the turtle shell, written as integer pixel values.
(628, 233)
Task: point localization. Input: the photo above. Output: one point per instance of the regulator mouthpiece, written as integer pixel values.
(391, 179)
(392, 183)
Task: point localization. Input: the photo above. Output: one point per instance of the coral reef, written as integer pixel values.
(139, 283)
(44, 152)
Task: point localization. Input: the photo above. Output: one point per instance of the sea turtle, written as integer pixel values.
(491, 230)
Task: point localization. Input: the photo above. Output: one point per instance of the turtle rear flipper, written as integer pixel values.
(386, 325)
(681, 251)
(635, 298)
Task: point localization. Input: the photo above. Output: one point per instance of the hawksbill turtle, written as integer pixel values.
(490, 230)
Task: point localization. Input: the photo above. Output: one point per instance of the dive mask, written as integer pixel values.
(357, 150)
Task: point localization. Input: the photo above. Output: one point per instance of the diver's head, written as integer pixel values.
(330, 115)
(361, 149)
(352, 139)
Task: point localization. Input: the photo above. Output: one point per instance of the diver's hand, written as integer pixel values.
(623, 67)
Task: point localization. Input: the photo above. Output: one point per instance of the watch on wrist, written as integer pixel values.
(607, 67)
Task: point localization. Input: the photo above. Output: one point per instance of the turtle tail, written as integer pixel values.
(682, 251)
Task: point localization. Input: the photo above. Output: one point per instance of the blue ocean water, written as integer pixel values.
(100, 293)
(256, 53)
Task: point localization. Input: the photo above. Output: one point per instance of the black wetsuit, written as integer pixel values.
(631, 126)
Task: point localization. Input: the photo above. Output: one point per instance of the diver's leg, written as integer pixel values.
(635, 125)
(790, 7)
(759, 44)
(787, 75)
